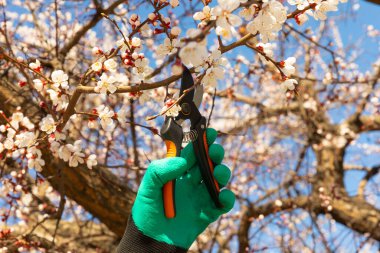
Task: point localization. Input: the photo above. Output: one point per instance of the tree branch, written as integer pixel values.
(95, 19)
(370, 174)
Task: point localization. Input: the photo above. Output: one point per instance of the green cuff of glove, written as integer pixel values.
(195, 209)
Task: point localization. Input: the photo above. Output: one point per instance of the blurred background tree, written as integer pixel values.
(291, 86)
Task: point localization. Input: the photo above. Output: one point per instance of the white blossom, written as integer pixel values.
(339, 141)
(38, 85)
(278, 203)
(35, 65)
(323, 7)
(106, 84)
(60, 101)
(134, 19)
(193, 53)
(121, 43)
(268, 21)
(267, 49)
(225, 18)
(105, 116)
(287, 66)
(175, 31)
(110, 65)
(60, 79)
(328, 78)
(16, 119)
(205, 15)
(215, 59)
(76, 155)
(47, 124)
(301, 18)
(173, 111)
(96, 51)
(141, 68)
(289, 84)
(10, 133)
(26, 123)
(91, 161)
(301, 4)
(372, 31)
(34, 159)
(168, 47)
(54, 146)
(97, 66)
(136, 42)
(17, 116)
(225, 33)
(8, 143)
(310, 104)
(64, 153)
(212, 75)
(92, 124)
(75, 159)
(152, 16)
(25, 139)
(248, 13)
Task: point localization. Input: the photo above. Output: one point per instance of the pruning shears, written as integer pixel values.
(173, 135)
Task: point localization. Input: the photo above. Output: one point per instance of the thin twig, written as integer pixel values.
(276, 64)
(212, 108)
(171, 106)
(56, 27)
(118, 28)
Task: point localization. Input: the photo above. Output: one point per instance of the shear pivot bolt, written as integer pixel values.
(202, 126)
(185, 108)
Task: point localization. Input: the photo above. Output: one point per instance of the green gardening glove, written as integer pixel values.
(195, 209)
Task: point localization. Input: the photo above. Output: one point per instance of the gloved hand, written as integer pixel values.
(195, 209)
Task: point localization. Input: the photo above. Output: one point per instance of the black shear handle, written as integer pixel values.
(206, 166)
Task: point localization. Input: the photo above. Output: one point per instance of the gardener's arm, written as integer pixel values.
(148, 229)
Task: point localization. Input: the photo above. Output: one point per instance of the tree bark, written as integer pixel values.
(98, 190)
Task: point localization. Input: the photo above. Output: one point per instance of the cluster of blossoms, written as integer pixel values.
(106, 69)
(57, 88)
(22, 142)
(169, 47)
(132, 58)
(18, 139)
(265, 19)
(108, 118)
(225, 19)
(26, 203)
(288, 69)
(320, 8)
(212, 63)
(286, 66)
(170, 109)
(268, 21)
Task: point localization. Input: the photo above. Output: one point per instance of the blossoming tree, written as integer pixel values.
(85, 86)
